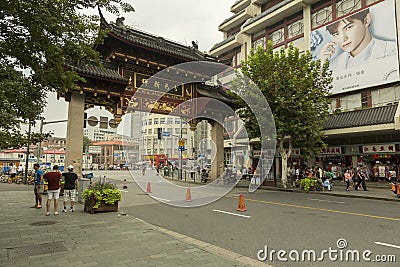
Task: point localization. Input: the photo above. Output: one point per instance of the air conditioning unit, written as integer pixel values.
(338, 110)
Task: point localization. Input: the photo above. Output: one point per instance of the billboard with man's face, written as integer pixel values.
(361, 48)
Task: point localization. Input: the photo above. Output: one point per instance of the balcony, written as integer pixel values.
(240, 5)
(272, 15)
(227, 45)
(239, 18)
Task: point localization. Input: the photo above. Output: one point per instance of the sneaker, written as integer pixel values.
(56, 213)
(64, 210)
(72, 210)
(47, 213)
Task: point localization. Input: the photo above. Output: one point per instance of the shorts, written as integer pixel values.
(69, 194)
(38, 190)
(55, 193)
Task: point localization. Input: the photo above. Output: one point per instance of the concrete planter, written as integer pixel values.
(104, 207)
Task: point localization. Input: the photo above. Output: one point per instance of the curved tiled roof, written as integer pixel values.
(363, 117)
(93, 70)
(138, 37)
(215, 92)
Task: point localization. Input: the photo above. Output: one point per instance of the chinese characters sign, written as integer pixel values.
(331, 151)
(379, 149)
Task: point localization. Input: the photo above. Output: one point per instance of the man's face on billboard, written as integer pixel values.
(352, 36)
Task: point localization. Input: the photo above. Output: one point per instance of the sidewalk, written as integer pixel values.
(378, 191)
(29, 238)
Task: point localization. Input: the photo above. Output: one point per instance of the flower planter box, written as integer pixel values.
(104, 207)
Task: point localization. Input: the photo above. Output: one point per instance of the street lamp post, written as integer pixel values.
(27, 152)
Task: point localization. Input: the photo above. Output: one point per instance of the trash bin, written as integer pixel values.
(83, 184)
(166, 172)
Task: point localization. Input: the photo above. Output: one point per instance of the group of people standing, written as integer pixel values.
(54, 179)
(352, 177)
(357, 177)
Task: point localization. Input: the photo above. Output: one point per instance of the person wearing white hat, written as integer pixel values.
(70, 186)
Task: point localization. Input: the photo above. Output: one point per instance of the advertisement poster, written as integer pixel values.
(361, 48)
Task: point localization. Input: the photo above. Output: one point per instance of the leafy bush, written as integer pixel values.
(307, 183)
(107, 192)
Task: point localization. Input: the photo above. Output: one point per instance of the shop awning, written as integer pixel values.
(363, 117)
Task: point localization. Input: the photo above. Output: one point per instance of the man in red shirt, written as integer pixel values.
(53, 179)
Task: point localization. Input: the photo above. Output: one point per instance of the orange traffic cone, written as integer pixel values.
(241, 205)
(148, 187)
(188, 195)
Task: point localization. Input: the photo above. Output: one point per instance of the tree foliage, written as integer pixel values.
(39, 37)
(297, 90)
(86, 143)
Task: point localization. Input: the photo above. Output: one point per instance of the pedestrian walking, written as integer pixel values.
(53, 180)
(347, 178)
(361, 177)
(39, 185)
(13, 170)
(70, 186)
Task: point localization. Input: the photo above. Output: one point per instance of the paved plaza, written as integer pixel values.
(29, 238)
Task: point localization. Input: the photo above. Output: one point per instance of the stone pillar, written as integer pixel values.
(73, 155)
(307, 25)
(217, 136)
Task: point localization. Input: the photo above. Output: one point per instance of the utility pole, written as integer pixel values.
(27, 152)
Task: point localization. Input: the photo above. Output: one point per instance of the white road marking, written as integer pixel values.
(125, 191)
(323, 200)
(230, 213)
(162, 199)
(387, 245)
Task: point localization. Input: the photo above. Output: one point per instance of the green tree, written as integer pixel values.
(39, 37)
(86, 143)
(297, 89)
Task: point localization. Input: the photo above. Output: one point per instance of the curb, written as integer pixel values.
(330, 193)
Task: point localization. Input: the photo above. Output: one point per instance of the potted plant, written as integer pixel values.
(309, 183)
(101, 197)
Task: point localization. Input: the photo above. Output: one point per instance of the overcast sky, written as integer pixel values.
(182, 21)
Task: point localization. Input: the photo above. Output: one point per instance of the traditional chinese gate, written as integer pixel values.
(130, 58)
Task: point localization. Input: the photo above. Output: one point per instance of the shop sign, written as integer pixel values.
(239, 153)
(390, 148)
(331, 150)
(268, 153)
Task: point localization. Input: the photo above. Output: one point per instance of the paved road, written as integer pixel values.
(281, 221)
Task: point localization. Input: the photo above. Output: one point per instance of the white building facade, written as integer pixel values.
(364, 127)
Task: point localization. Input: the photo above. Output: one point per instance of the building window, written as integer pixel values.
(170, 121)
(321, 17)
(295, 29)
(150, 122)
(260, 42)
(155, 120)
(364, 99)
(162, 120)
(177, 121)
(369, 2)
(277, 36)
(237, 58)
(177, 131)
(344, 7)
(150, 131)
